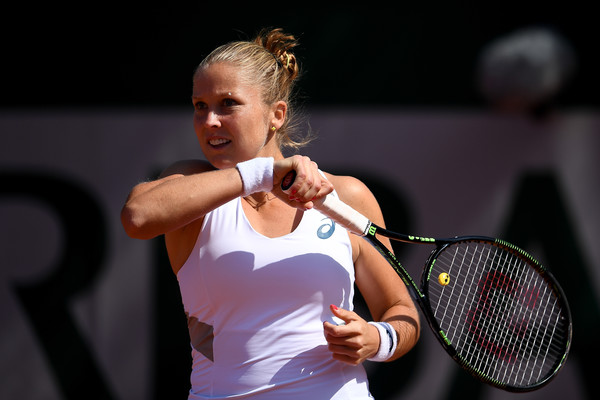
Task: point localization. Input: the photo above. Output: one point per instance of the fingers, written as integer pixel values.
(353, 341)
(309, 184)
(344, 315)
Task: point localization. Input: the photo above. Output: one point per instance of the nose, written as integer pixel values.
(213, 120)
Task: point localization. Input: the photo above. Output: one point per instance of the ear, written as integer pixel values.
(279, 114)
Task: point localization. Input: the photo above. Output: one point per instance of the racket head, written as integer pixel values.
(498, 312)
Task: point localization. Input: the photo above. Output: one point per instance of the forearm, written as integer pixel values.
(406, 323)
(158, 207)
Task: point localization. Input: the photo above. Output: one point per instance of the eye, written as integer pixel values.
(228, 102)
(199, 105)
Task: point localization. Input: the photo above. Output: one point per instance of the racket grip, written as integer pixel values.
(343, 214)
(335, 209)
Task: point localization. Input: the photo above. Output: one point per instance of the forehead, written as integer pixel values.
(222, 78)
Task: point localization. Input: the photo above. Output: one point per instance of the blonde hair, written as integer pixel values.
(268, 62)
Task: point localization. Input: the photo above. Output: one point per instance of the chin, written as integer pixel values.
(221, 163)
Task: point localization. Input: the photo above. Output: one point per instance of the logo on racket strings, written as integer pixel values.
(502, 300)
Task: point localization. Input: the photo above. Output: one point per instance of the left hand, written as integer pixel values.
(353, 342)
(308, 185)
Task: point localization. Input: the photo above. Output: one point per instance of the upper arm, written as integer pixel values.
(137, 206)
(186, 167)
(175, 170)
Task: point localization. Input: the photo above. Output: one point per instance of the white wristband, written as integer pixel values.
(257, 175)
(388, 340)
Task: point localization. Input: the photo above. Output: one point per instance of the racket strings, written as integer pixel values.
(506, 347)
(510, 325)
(500, 349)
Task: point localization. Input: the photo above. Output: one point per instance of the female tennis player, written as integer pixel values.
(267, 281)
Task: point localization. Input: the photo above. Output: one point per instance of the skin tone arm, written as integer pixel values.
(185, 192)
(383, 290)
(188, 190)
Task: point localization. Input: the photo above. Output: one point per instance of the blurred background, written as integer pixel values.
(462, 119)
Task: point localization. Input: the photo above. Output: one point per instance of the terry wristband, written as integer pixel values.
(387, 341)
(257, 175)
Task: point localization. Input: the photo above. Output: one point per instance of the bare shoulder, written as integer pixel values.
(347, 186)
(187, 167)
(356, 194)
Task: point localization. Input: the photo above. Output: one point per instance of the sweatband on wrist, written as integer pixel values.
(388, 341)
(257, 175)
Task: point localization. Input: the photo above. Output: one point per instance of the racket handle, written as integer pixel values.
(335, 209)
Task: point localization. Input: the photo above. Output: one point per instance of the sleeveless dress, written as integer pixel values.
(256, 305)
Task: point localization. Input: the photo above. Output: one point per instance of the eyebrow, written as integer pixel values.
(222, 94)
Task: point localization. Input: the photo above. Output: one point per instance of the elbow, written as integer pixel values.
(135, 223)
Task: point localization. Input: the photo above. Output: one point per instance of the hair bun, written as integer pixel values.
(280, 45)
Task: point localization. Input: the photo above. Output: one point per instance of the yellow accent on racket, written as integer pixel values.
(444, 279)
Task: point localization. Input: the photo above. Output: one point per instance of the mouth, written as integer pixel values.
(218, 142)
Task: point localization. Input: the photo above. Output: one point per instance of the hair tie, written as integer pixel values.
(276, 59)
(288, 60)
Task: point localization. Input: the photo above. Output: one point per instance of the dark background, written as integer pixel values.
(399, 54)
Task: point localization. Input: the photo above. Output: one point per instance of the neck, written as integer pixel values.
(259, 199)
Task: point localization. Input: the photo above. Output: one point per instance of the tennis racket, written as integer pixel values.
(497, 312)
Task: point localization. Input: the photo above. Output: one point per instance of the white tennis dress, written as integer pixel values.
(256, 306)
